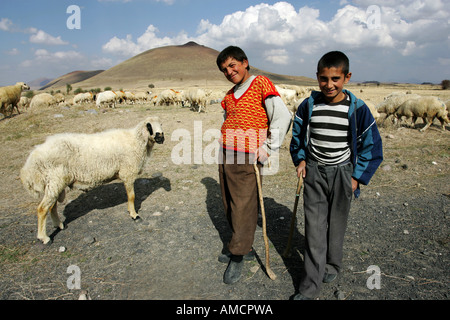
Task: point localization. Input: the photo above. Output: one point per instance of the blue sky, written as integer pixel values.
(401, 41)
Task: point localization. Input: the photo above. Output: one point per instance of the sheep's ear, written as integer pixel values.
(150, 129)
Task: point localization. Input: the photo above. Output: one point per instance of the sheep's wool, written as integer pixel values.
(246, 123)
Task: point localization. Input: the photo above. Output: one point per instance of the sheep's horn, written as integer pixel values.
(150, 129)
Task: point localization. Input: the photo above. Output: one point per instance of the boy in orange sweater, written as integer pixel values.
(256, 121)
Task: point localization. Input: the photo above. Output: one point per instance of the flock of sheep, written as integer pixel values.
(11, 98)
(84, 161)
(413, 106)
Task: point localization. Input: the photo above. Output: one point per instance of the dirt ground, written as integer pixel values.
(399, 225)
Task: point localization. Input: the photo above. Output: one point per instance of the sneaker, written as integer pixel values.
(225, 257)
(329, 277)
(234, 270)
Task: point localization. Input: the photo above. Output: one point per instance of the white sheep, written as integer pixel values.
(391, 103)
(106, 97)
(120, 96)
(427, 108)
(142, 97)
(84, 161)
(24, 102)
(154, 99)
(59, 97)
(373, 110)
(129, 97)
(166, 97)
(42, 101)
(10, 96)
(197, 98)
(179, 99)
(289, 96)
(85, 97)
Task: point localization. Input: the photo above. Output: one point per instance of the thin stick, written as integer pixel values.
(270, 273)
(286, 252)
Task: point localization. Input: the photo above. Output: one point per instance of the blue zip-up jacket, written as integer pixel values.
(365, 138)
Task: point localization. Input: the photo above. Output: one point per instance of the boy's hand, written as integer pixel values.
(354, 184)
(301, 169)
(262, 155)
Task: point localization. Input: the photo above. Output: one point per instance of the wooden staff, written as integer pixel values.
(270, 273)
(286, 252)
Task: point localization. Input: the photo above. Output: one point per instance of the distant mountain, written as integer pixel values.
(70, 78)
(185, 65)
(38, 83)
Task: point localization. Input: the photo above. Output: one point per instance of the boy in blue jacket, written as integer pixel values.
(335, 146)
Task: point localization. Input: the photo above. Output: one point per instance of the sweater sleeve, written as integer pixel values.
(279, 122)
(369, 146)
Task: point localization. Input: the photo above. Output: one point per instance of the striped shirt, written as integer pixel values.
(329, 132)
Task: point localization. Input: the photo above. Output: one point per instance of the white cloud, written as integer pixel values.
(5, 24)
(63, 60)
(277, 56)
(41, 37)
(148, 40)
(13, 52)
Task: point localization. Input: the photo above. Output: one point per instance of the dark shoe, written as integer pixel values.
(234, 270)
(299, 296)
(329, 277)
(225, 257)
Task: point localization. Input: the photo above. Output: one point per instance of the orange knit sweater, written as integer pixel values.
(246, 123)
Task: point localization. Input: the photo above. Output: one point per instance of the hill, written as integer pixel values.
(70, 78)
(185, 65)
(36, 84)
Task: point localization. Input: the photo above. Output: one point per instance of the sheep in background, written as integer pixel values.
(85, 161)
(373, 110)
(24, 102)
(392, 102)
(197, 98)
(427, 108)
(59, 97)
(42, 101)
(129, 97)
(289, 96)
(166, 97)
(86, 97)
(10, 95)
(179, 98)
(120, 96)
(106, 97)
(142, 97)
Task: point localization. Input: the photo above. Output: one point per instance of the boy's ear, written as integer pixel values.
(347, 77)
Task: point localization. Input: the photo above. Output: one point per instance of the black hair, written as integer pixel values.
(231, 52)
(336, 59)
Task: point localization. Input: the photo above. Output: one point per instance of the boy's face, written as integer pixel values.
(331, 83)
(235, 71)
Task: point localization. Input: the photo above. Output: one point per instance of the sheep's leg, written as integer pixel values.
(55, 218)
(428, 123)
(129, 187)
(413, 121)
(42, 212)
(443, 122)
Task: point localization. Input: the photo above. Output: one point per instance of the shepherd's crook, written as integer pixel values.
(270, 273)
(286, 252)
